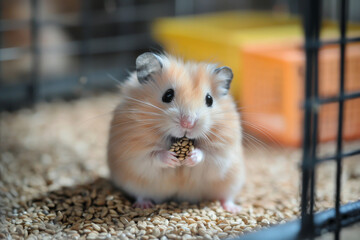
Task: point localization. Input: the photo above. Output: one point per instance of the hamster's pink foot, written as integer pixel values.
(194, 158)
(143, 204)
(230, 206)
(168, 159)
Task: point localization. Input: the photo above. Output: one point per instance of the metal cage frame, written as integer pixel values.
(311, 224)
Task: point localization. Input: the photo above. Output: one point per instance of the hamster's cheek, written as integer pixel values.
(173, 112)
(204, 123)
(171, 124)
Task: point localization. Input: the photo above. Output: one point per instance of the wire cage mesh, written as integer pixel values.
(312, 22)
(63, 48)
(80, 71)
(311, 224)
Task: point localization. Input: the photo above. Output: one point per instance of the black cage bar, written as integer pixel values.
(312, 23)
(35, 49)
(311, 224)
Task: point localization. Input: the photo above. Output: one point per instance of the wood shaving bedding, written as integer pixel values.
(53, 183)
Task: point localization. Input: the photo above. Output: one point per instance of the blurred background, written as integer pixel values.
(52, 49)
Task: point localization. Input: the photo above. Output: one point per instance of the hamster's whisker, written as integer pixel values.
(120, 124)
(123, 138)
(85, 121)
(239, 108)
(247, 136)
(113, 78)
(223, 120)
(254, 125)
(244, 108)
(220, 126)
(140, 112)
(253, 139)
(250, 145)
(139, 123)
(255, 147)
(177, 105)
(115, 134)
(147, 120)
(225, 111)
(143, 130)
(209, 142)
(262, 130)
(218, 136)
(221, 112)
(143, 120)
(206, 139)
(149, 104)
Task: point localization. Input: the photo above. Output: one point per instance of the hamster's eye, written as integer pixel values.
(168, 95)
(209, 100)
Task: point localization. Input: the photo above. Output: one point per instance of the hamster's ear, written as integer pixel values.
(146, 65)
(224, 76)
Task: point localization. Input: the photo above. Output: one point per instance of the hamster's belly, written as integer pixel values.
(160, 184)
(196, 184)
(191, 184)
(203, 182)
(208, 181)
(142, 179)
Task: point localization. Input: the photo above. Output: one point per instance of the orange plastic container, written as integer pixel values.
(273, 91)
(220, 37)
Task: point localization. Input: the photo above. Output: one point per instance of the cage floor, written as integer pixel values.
(53, 183)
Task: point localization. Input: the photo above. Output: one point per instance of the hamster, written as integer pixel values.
(166, 99)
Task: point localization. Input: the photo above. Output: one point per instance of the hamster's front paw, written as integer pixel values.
(168, 159)
(194, 158)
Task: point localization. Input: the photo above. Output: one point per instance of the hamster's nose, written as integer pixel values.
(187, 122)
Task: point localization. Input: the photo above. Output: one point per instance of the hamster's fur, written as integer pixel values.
(143, 126)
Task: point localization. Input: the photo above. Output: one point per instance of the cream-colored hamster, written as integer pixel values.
(166, 99)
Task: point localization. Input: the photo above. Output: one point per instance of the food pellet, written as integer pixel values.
(182, 147)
